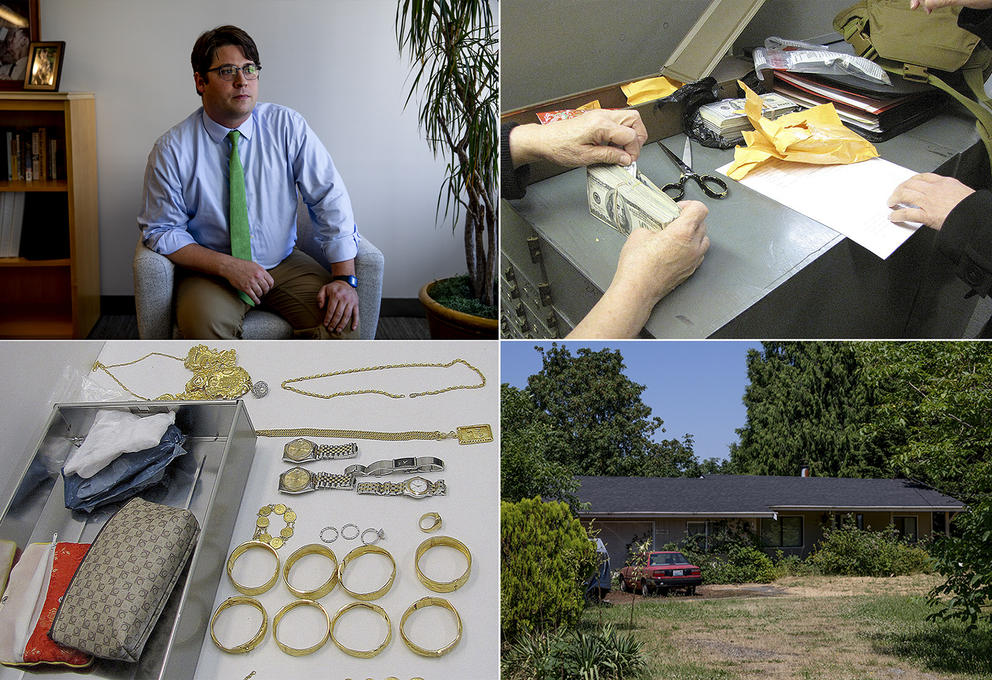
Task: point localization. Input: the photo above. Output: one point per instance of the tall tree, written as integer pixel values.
(526, 471)
(596, 421)
(806, 404)
(932, 418)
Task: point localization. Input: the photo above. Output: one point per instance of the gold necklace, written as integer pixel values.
(286, 383)
(468, 434)
(216, 375)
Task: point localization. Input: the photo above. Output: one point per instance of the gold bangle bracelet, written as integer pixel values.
(241, 550)
(356, 553)
(443, 586)
(293, 651)
(321, 590)
(431, 602)
(355, 652)
(244, 647)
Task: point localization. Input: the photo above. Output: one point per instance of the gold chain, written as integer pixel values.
(465, 434)
(357, 434)
(216, 375)
(286, 383)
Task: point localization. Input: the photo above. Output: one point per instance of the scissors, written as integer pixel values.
(714, 187)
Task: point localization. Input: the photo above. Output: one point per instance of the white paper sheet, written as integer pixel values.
(850, 199)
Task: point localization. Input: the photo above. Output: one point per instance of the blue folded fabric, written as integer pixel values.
(126, 476)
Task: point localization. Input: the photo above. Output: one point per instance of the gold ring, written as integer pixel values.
(431, 602)
(241, 550)
(355, 652)
(324, 588)
(244, 647)
(435, 522)
(443, 586)
(358, 552)
(293, 651)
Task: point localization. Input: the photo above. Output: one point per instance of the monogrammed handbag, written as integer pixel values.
(123, 583)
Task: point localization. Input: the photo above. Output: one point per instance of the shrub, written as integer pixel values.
(604, 654)
(849, 551)
(739, 564)
(546, 557)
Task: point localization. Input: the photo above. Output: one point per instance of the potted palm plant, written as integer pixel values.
(454, 52)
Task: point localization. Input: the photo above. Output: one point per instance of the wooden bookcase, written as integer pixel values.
(55, 298)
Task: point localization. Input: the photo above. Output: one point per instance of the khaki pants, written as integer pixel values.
(209, 308)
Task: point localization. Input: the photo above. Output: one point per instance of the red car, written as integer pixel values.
(665, 570)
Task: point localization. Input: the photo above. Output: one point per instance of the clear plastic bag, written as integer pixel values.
(800, 57)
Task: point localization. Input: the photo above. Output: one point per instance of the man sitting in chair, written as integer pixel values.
(220, 201)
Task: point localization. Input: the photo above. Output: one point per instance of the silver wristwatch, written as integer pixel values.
(415, 487)
(306, 451)
(396, 465)
(300, 480)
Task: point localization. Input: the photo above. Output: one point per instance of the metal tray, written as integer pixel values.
(209, 481)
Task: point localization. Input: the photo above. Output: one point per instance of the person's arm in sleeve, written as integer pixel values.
(962, 218)
(164, 220)
(652, 264)
(327, 199)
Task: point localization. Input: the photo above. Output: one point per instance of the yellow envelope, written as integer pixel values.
(649, 89)
(815, 136)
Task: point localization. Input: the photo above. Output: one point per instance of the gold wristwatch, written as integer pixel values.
(300, 480)
(305, 451)
(415, 487)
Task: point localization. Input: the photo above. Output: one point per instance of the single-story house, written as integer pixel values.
(787, 513)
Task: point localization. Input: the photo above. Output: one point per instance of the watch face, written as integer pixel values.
(294, 480)
(298, 449)
(418, 485)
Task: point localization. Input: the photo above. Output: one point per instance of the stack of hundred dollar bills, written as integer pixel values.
(626, 203)
(726, 117)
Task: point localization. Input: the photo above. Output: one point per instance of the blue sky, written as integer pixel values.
(694, 386)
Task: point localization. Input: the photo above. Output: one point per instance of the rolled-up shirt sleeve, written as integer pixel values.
(163, 219)
(326, 197)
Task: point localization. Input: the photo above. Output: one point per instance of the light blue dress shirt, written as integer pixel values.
(186, 187)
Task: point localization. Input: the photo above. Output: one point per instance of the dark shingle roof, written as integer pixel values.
(739, 494)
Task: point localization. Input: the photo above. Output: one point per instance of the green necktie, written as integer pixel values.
(238, 215)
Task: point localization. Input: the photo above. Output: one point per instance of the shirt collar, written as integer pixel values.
(218, 132)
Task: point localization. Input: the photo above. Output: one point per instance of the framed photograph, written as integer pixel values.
(19, 27)
(44, 66)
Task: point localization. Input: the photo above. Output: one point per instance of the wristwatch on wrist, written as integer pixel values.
(306, 451)
(300, 480)
(415, 487)
(350, 279)
(397, 465)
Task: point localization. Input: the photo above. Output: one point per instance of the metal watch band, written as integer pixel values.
(326, 480)
(349, 450)
(408, 488)
(397, 465)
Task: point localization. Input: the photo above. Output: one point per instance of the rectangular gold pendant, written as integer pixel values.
(474, 434)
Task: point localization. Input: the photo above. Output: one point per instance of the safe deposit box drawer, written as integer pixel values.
(209, 481)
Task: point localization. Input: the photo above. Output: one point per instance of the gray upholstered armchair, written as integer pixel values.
(154, 279)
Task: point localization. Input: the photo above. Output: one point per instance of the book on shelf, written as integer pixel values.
(11, 222)
(30, 154)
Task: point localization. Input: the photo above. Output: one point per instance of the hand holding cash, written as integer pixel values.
(626, 202)
(597, 136)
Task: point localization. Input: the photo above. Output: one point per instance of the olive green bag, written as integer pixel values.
(921, 47)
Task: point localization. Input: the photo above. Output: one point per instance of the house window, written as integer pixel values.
(784, 532)
(906, 528)
(859, 521)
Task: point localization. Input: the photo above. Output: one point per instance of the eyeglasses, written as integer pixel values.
(227, 71)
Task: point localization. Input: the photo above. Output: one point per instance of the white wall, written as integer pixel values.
(335, 61)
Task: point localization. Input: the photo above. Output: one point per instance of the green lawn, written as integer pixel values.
(819, 628)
